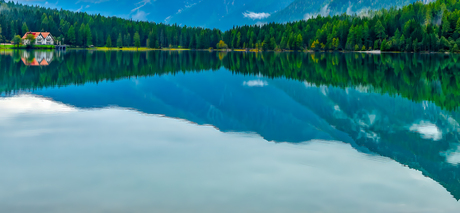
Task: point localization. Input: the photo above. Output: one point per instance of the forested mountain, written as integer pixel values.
(224, 14)
(82, 29)
(151, 10)
(221, 14)
(205, 12)
(415, 27)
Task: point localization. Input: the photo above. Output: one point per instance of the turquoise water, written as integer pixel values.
(236, 132)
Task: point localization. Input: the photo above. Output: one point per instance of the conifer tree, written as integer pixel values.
(152, 41)
(120, 41)
(25, 29)
(108, 43)
(88, 36)
(379, 30)
(137, 40)
(71, 36)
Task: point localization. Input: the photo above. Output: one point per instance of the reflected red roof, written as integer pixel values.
(35, 62)
(44, 63)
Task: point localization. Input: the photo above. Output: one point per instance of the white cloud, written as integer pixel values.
(255, 83)
(140, 15)
(79, 9)
(253, 15)
(141, 5)
(31, 104)
(427, 130)
(453, 158)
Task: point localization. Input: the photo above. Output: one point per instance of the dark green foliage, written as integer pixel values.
(137, 40)
(415, 27)
(119, 41)
(82, 29)
(109, 42)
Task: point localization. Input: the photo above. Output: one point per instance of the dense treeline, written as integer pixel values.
(416, 27)
(82, 29)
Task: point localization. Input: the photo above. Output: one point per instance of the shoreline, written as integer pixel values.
(145, 49)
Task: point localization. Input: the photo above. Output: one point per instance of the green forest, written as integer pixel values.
(83, 30)
(412, 28)
(416, 27)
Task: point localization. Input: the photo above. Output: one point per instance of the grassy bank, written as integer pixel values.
(38, 47)
(122, 49)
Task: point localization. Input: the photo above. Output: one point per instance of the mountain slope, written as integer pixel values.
(221, 14)
(151, 10)
(224, 14)
(251, 13)
(206, 12)
(304, 9)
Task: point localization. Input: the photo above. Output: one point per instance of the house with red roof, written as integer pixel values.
(41, 38)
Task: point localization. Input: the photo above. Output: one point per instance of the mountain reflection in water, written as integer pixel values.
(400, 106)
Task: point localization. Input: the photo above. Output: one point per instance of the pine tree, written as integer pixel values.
(25, 29)
(120, 41)
(127, 39)
(71, 36)
(445, 25)
(109, 42)
(272, 43)
(137, 40)
(152, 41)
(81, 35)
(45, 23)
(379, 30)
(89, 36)
(299, 42)
(192, 44)
(238, 40)
(283, 43)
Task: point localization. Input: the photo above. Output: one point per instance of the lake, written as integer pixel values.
(158, 131)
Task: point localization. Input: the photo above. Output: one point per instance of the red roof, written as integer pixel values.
(45, 34)
(34, 62)
(36, 34)
(44, 63)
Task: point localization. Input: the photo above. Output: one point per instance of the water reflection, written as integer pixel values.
(114, 160)
(417, 77)
(37, 58)
(399, 106)
(34, 58)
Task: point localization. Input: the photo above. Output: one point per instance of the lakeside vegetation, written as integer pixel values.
(416, 27)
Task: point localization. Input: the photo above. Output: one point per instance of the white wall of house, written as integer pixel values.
(41, 41)
(44, 41)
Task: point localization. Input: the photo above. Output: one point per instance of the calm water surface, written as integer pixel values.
(228, 132)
